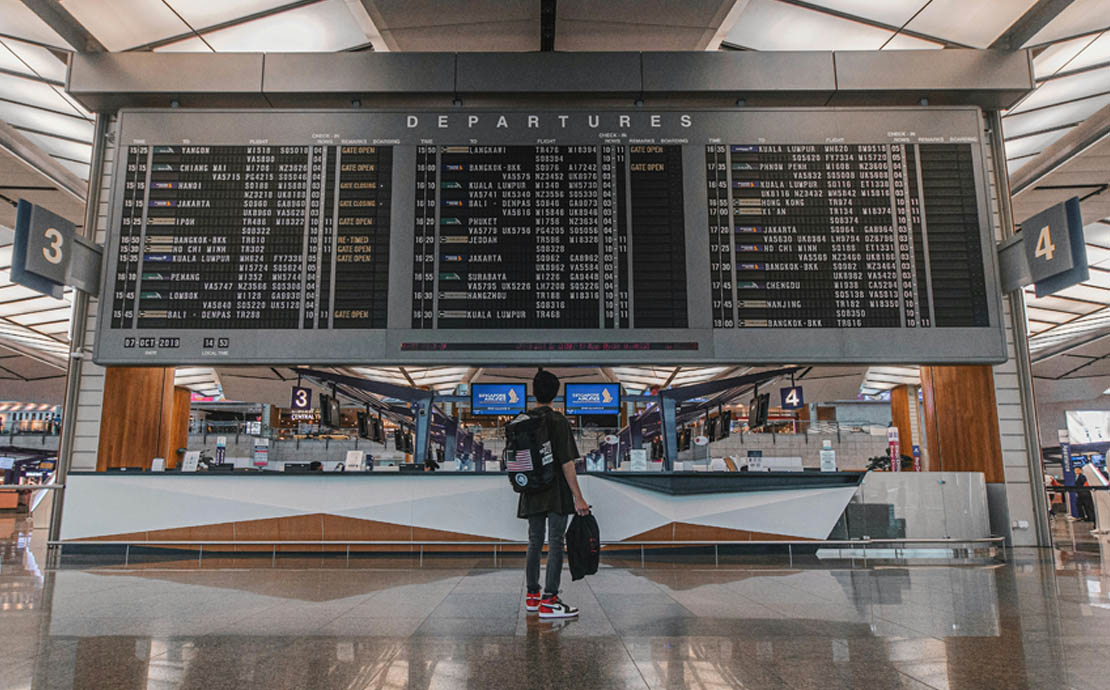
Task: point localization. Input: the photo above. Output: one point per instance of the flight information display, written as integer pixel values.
(488, 237)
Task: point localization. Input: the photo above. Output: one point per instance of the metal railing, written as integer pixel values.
(58, 545)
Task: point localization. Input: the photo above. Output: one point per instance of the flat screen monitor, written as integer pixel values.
(592, 398)
(364, 425)
(329, 411)
(399, 440)
(1088, 426)
(711, 429)
(497, 398)
(379, 431)
(758, 409)
(724, 424)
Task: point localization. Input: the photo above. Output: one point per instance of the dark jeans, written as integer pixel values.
(556, 527)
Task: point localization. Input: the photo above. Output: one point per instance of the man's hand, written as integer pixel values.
(580, 505)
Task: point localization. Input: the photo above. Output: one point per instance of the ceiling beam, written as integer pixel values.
(1093, 130)
(1029, 24)
(31, 155)
(64, 24)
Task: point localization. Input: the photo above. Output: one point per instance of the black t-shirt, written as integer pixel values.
(558, 497)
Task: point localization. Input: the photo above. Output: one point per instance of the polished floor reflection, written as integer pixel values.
(1041, 620)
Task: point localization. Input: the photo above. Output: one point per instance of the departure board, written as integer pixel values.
(599, 237)
(540, 237)
(253, 237)
(845, 236)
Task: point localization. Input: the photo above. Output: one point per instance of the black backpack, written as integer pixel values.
(528, 456)
(583, 546)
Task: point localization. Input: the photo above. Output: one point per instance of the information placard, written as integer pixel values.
(501, 237)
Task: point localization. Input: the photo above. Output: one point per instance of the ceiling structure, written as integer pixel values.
(1057, 138)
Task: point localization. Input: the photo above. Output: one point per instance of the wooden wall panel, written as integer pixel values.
(175, 426)
(900, 416)
(961, 420)
(136, 399)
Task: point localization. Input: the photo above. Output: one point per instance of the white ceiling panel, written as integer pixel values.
(321, 27)
(54, 123)
(40, 61)
(892, 12)
(771, 25)
(1074, 112)
(971, 22)
(17, 20)
(79, 169)
(60, 147)
(205, 13)
(1097, 234)
(122, 24)
(1081, 16)
(1097, 53)
(1068, 88)
(1053, 58)
(32, 92)
(1025, 146)
(1060, 304)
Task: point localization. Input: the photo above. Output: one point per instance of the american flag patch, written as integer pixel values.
(522, 462)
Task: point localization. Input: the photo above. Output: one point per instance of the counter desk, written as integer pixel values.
(443, 506)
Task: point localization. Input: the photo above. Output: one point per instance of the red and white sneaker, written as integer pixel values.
(552, 607)
(532, 602)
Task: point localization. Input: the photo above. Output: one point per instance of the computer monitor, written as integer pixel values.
(364, 425)
(592, 398)
(724, 424)
(497, 398)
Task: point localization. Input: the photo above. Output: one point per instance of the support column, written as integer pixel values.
(900, 416)
(961, 420)
(138, 420)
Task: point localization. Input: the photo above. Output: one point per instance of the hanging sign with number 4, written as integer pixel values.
(1054, 246)
(792, 398)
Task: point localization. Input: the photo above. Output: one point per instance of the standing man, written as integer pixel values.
(551, 507)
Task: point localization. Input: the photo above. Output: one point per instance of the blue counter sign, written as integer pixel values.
(497, 398)
(593, 398)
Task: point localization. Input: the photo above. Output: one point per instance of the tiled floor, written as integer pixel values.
(1041, 620)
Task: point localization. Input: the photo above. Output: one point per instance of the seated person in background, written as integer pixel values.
(316, 466)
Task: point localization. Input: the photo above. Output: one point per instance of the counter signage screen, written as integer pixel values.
(593, 398)
(497, 398)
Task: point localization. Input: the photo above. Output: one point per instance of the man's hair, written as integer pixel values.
(545, 386)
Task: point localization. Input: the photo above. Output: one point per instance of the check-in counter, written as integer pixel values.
(443, 507)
